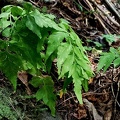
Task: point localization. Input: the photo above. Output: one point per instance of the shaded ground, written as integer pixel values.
(90, 19)
(20, 106)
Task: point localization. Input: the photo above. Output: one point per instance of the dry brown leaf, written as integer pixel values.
(82, 112)
(90, 81)
(108, 114)
(92, 98)
(23, 77)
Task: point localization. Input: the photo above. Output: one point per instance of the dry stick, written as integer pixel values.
(34, 3)
(116, 101)
(66, 100)
(82, 5)
(93, 93)
(111, 27)
(84, 94)
(96, 15)
(110, 4)
(112, 20)
(117, 94)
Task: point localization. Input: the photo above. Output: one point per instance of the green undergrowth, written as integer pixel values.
(7, 109)
(31, 41)
(109, 58)
(18, 106)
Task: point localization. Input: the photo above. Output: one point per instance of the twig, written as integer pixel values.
(66, 100)
(96, 15)
(112, 8)
(113, 21)
(34, 3)
(117, 94)
(116, 101)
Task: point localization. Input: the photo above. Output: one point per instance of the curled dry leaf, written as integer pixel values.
(23, 77)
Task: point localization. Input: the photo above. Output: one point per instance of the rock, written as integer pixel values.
(47, 116)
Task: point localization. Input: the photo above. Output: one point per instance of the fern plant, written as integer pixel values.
(108, 58)
(31, 41)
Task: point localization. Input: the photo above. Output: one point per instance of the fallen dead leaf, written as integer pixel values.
(90, 81)
(82, 112)
(108, 114)
(23, 77)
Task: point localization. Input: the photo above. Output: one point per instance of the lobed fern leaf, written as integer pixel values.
(108, 58)
(45, 91)
(10, 65)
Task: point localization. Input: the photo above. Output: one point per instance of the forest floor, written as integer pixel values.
(90, 20)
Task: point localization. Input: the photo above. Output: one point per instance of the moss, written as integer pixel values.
(7, 109)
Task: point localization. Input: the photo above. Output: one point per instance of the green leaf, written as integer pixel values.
(97, 44)
(4, 23)
(30, 23)
(105, 61)
(54, 42)
(85, 84)
(83, 64)
(21, 49)
(116, 62)
(39, 19)
(6, 32)
(77, 87)
(52, 17)
(10, 63)
(64, 24)
(28, 6)
(107, 58)
(67, 81)
(67, 65)
(42, 41)
(111, 38)
(7, 8)
(4, 15)
(49, 61)
(72, 70)
(3, 44)
(66, 49)
(16, 11)
(114, 51)
(36, 81)
(78, 45)
(45, 91)
(20, 28)
(43, 21)
(77, 80)
(77, 41)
